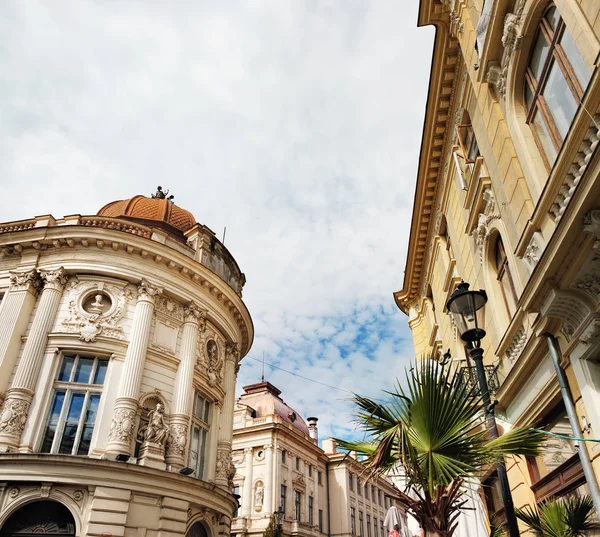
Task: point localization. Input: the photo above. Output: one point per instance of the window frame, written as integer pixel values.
(503, 271)
(310, 510)
(298, 505)
(283, 497)
(69, 388)
(204, 427)
(556, 58)
(467, 149)
(353, 520)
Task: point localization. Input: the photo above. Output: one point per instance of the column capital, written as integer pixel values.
(148, 292)
(248, 451)
(268, 447)
(192, 313)
(25, 281)
(55, 279)
(232, 353)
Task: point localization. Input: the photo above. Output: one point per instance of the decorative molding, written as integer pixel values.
(14, 416)
(121, 426)
(482, 230)
(516, 346)
(568, 307)
(148, 292)
(169, 308)
(192, 313)
(225, 469)
(215, 363)
(532, 252)
(54, 279)
(590, 284)
(177, 440)
(92, 323)
(23, 281)
(591, 224)
(575, 173)
(299, 482)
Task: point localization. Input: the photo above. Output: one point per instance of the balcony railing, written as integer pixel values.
(468, 376)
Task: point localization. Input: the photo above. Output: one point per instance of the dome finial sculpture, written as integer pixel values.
(162, 195)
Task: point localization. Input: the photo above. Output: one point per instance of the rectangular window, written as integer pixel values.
(310, 470)
(361, 524)
(321, 520)
(283, 454)
(320, 478)
(350, 481)
(199, 435)
(283, 498)
(366, 492)
(297, 505)
(310, 511)
(298, 463)
(375, 528)
(379, 497)
(373, 497)
(368, 525)
(468, 143)
(381, 528)
(75, 401)
(352, 520)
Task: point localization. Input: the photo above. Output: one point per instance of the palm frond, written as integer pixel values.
(531, 517)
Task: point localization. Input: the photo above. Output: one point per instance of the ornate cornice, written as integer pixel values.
(437, 132)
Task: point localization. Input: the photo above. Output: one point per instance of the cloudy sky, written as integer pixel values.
(294, 123)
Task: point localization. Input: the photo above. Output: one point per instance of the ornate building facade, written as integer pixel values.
(120, 341)
(508, 199)
(279, 466)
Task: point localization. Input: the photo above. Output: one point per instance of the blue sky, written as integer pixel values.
(294, 123)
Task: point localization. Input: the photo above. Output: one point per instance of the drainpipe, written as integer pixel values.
(584, 456)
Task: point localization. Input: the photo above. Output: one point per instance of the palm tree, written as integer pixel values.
(570, 517)
(433, 427)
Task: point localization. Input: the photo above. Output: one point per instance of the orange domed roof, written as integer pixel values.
(150, 211)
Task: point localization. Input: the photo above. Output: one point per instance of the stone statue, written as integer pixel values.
(259, 494)
(162, 194)
(156, 431)
(97, 305)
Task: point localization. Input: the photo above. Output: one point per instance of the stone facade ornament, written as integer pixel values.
(177, 440)
(148, 292)
(225, 469)
(482, 230)
(95, 309)
(54, 279)
(516, 345)
(193, 313)
(299, 482)
(215, 363)
(169, 307)
(568, 307)
(591, 224)
(14, 416)
(156, 430)
(532, 252)
(22, 281)
(121, 426)
(259, 492)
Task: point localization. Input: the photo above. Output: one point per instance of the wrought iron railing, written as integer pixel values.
(468, 376)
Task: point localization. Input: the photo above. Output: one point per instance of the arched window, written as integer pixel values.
(505, 277)
(197, 530)
(555, 81)
(47, 517)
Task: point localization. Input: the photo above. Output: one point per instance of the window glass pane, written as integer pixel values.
(101, 372)
(55, 409)
(552, 17)
(581, 70)
(540, 53)
(544, 137)
(88, 424)
(194, 445)
(72, 422)
(201, 453)
(528, 95)
(84, 370)
(560, 100)
(65, 368)
(206, 411)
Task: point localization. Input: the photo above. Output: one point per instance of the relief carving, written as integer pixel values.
(225, 468)
(516, 345)
(177, 440)
(215, 363)
(156, 429)
(121, 426)
(22, 281)
(169, 307)
(148, 292)
(54, 279)
(14, 416)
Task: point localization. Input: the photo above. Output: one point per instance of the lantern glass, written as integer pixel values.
(468, 310)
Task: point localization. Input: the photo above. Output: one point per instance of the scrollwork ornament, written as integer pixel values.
(55, 279)
(121, 426)
(14, 416)
(14, 492)
(148, 292)
(177, 440)
(192, 313)
(21, 281)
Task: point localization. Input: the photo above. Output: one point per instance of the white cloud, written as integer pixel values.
(294, 123)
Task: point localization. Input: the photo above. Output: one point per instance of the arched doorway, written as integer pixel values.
(197, 530)
(40, 518)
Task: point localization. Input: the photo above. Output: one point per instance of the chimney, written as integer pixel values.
(329, 446)
(312, 429)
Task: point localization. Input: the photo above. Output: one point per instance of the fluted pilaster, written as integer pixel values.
(183, 389)
(18, 398)
(248, 479)
(126, 404)
(226, 470)
(14, 317)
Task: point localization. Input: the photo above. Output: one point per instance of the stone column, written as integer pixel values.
(179, 420)
(225, 468)
(20, 394)
(14, 318)
(248, 479)
(126, 404)
(268, 500)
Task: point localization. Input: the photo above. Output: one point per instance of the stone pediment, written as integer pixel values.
(299, 482)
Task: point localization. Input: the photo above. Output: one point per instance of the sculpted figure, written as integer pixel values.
(156, 431)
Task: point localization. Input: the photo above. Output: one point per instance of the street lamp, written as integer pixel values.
(279, 516)
(467, 309)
